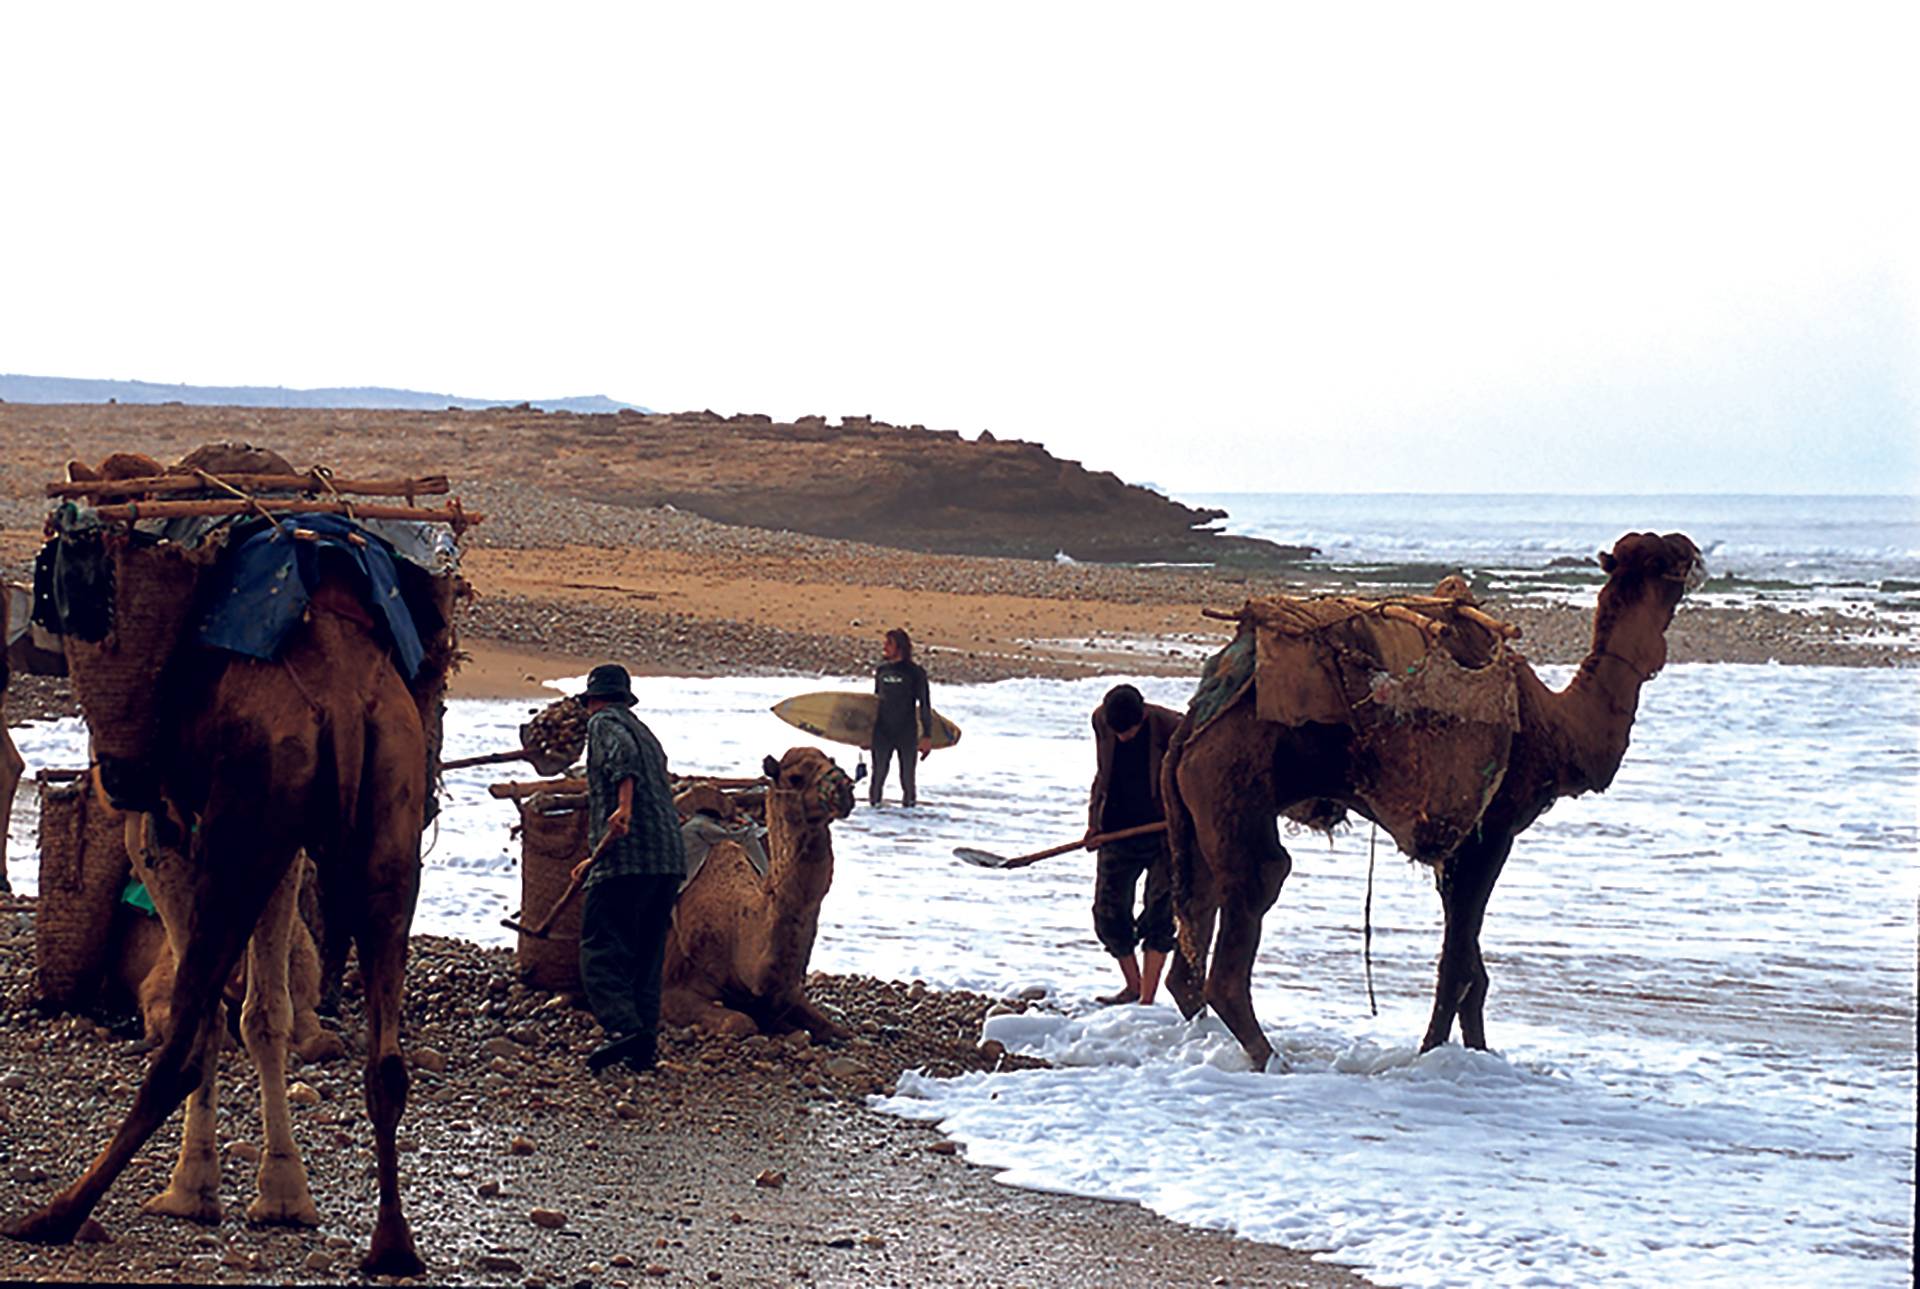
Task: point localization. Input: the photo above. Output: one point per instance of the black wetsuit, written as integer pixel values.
(905, 717)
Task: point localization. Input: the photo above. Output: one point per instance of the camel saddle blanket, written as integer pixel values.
(702, 833)
(1429, 693)
(264, 579)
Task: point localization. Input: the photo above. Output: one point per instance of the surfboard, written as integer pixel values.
(840, 716)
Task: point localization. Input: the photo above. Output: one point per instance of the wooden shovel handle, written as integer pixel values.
(1101, 839)
(539, 929)
(489, 758)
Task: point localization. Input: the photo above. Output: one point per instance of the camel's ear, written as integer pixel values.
(81, 472)
(1606, 561)
(770, 768)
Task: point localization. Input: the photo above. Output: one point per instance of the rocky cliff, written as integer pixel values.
(897, 486)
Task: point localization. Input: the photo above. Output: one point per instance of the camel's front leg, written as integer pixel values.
(1243, 906)
(193, 1191)
(690, 1008)
(312, 1040)
(179, 1066)
(1186, 975)
(797, 1012)
(266, 1021)
(1466, 883)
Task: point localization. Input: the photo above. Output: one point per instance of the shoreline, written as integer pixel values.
(743, 1162)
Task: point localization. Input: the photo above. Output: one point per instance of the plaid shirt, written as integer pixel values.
(620, 747)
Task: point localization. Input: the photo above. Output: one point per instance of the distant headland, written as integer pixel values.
(66, 389)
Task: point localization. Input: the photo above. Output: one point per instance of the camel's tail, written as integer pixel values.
(1183, 848)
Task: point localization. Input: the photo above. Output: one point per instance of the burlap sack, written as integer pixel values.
(83, 869)
(1432, 712)
(116, 679)
(553, 838)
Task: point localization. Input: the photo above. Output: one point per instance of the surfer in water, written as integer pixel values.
(905, 721)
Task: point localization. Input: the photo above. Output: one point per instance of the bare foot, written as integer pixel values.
(1127, 995)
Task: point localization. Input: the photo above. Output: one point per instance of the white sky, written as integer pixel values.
(1661, 248)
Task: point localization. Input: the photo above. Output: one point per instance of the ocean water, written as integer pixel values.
(1781, 548)
(1702, 1008)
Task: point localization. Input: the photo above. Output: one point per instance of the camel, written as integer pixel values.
(239, 764)
(1226, 784)
(737, 954)
(145, 958)
(280, 984)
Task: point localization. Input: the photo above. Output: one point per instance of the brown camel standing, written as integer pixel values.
(275, 1012)
(738, 951)
(1226, 785)
(242, 763)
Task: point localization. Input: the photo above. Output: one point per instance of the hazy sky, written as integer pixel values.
(1661, 247)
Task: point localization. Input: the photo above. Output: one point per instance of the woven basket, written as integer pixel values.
(83, 869)
(117, 680)
(553, 838)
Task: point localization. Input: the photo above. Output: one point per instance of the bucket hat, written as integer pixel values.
(609, 681)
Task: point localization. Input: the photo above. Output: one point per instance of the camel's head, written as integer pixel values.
(1642, 564)
(821, 789)
(1647, 576)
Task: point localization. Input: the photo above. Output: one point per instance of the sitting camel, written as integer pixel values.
(145, 957)
(1227, 777)
(240, 764)
(737, 954)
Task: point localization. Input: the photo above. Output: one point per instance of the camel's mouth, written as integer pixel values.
(836, 792)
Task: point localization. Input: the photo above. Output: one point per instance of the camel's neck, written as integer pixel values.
(799, 855)
(1591, 720)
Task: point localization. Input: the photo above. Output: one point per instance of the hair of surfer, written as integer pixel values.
(1124, 708)
(902, 644)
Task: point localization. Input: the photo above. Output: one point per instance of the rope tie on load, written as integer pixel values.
(1366, 935)
(305, 693)
(214, 481)
(324, 476)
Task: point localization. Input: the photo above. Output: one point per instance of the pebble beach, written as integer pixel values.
(754, 1163)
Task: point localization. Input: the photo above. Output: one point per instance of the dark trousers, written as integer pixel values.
(623, 940)
(1116, 874)
(885, 743)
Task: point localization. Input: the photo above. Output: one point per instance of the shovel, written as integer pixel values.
(987, 859)
(540, 929)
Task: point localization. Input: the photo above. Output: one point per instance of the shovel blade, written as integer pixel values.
(984, 858)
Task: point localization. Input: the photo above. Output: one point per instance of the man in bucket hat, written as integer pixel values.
(631, 888)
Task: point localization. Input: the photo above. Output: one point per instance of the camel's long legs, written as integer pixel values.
(266, 1021)
(1466, 883)
(193, 1190)
(1243, 907)
(1186, 981)
(392, 792)
(383, 951)
(226, 900)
